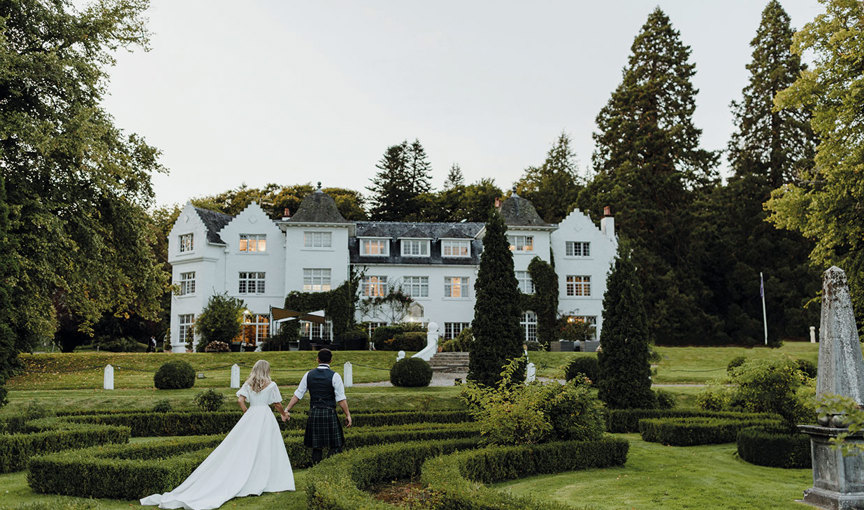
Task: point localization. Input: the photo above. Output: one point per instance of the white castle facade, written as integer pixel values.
(259, 260)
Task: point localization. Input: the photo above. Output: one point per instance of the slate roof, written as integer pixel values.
(397, 229)
(518, 211)
(318, 207)
(214, 221)
(393, 230)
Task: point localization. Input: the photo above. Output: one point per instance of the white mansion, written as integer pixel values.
(260, 261)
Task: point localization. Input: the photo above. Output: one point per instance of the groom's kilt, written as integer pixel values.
(323, 429)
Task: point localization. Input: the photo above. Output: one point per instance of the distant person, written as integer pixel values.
(250, 460)
(151, 345)
(326, 390)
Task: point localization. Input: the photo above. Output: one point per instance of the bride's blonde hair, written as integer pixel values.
(259, 377)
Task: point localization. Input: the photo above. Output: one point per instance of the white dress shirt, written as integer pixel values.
(338, 386)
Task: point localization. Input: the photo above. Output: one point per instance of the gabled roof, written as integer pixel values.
(318, 207)
(518, 211)
(455, 233)
(397, 229)
(215, 222)
(414, 232)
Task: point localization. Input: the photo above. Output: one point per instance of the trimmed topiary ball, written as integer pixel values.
(411, 372)
(174, 375)
(585, 365)
(209, 400)
(734, 363)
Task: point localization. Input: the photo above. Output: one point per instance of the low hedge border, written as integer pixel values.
(12, 424)
(696, 431)
(16, 449)
(137, 470)
(340, 482)
(774, 448)
(192, 423)
(452, 478)
(627, 420)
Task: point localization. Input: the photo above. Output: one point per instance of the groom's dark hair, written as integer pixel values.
(324, 355)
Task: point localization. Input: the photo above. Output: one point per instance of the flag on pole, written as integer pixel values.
(764, 314)
(761, 287)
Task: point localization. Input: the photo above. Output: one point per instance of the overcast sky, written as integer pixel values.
(294, 92)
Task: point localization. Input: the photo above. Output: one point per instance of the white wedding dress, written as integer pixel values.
(250, 460)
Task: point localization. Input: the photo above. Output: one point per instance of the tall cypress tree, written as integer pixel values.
(650, 168)
(8, 269)
(624, 369)
(497, 332)
(770, 148)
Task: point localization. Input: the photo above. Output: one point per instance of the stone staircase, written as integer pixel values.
(450, 362)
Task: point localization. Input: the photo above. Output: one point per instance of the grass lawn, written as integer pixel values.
(668, 477)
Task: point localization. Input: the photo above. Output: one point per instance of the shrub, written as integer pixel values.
(665, 399)
(123, 345)
(627, 420)
(36, 410)
(584, 365)
(221, 320)
(16, 449)
(695, 431)
(353, 340)
(209, 400)
(462, 342)
(174, 375)
(774, 448)
(806, 367)
(217, 346)
(384, 336)
(734, 363)
(162, 406)
(411, 372)
(409, 341)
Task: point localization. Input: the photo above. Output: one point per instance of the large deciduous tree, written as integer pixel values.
(824, 204)
(497, 332)
(9, 344)
(649, 166)
(553, 186)
(77, 186)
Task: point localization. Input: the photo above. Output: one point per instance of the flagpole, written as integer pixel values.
(764, 315)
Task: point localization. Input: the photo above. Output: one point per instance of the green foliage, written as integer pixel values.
(123, 345)
(220, 321)
(36, 410)
(458, 201)
(353, 340)
(514, 413)
(585, 366)
(209, 400)
(696, 431)
(806, 367)
(575, 330)
(404, 175)
(411, 373)
(9, 348)
(162, 406)
(462, 343)
(338, 304)
(735, 362)
(627, 420)
(174, 375)
(77, 186)
(16, 449)
(553, 186)
(665, 399)
(624, 371)
(851, 416)
(774, 448)
(497, 332)
(393, 337)
(544, 301)
(275, 198)
(823, 204)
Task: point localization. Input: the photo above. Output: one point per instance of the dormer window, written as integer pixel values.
(186, 243)
(375, 247)
(253, 243)
(415, 247)
(521, 244)
(455, 248)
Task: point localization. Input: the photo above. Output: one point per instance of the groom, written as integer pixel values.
(325, 387)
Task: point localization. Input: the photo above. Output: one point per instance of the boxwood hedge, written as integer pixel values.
(52, 436)
(696, 431)
(627, 420)
(774, 447)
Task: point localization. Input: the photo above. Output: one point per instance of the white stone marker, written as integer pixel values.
(348, 379)
(235, 376)
(812, 334)
(531, 373)
(108, 379)
(400, 355)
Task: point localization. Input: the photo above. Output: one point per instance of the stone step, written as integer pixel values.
(450, 362)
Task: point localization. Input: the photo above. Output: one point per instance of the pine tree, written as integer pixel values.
(400, 189)
(8, 269)
(455, 179)
(624, 369)
(497, 332)
(553, 186)
(650, 168)
(419, 168)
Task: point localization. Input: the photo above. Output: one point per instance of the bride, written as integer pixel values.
(250, 460)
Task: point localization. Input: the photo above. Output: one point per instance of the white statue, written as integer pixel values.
(431, 343)
(400, 355)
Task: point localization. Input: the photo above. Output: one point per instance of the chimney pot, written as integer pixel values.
(286, 213)
(497, 202)
(607, 211)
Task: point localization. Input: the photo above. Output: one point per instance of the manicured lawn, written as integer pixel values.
(667, 477)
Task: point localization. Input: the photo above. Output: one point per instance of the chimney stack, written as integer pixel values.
(497, 203)
(286, 214)
(607, 211)
(607, 223)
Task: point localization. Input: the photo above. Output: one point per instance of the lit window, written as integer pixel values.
(529, 325)
(452, 329)
(251, 283)
(187, 327)
(416, 286)
(415, 247)
(375, 247)
(456, 286)
(187, 243)
(578, 285)
(521, 243)
(314, 331)
(588, 319)
(455, 248)
(526, 285)
(578, 249)
(187, 283)
(253, 243)
(256, 327)
(375, 286)
(316, 280)
(317, 239)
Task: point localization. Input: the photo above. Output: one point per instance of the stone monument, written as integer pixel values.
(838, 481)
(235, 376)
(348, 379)
(531, 373)
(108, 378)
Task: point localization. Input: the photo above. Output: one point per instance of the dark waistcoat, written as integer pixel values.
(319, 382)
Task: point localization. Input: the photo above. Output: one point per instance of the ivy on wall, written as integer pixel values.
(544, 301)
(338, 304)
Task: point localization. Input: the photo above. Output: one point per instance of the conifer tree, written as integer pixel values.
(649, 166)
(553, 186)
(455, 178)
(419, 168)
(398, 188)
(497, 332)
(624, 368)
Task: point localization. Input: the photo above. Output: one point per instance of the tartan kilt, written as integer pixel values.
(323, 429)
